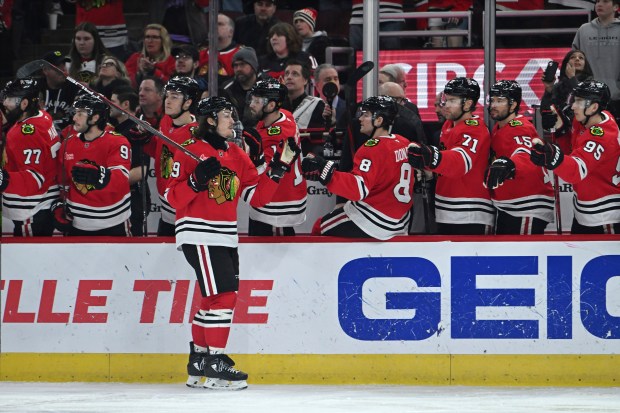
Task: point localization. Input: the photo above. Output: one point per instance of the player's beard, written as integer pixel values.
(13, 115)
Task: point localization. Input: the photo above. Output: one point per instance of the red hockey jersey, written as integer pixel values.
(288, 206)
(593, 167)
(30, 157)
(210, 217)
(379, 188)
(95, 209)
(461, 197)
(530, 193)
(163, 154)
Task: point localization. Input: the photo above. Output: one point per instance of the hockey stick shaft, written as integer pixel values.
(426, 205)
(143, 124)
(556, 197)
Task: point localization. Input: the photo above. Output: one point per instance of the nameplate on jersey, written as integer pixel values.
(515, 122)
(27, 129)
(372, 142)
(597, 131)
(274, 130)
(472, 122)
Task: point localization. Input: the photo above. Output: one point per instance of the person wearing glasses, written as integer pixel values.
(110, 75)
(155, 58)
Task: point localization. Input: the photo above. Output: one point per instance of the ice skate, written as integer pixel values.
(221, 375)
(195, 368)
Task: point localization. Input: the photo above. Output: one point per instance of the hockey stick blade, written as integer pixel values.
(30, 68)
(359, 72)
(143, 124)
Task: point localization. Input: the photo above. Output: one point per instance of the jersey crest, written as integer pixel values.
(224, 186)
(274, 130)
(472, 122)
(188, 142)
(372, 142)
(515, 122)
(165, 162)
(597, 131)
(27, 129)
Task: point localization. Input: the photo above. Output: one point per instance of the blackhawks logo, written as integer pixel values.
(515, 122)
(472, 122)
(27, 129)
(165, 162)
(83, 188)
(188, 142)
(224, 186)
(274, 130)
(372, 142)
(597, 131)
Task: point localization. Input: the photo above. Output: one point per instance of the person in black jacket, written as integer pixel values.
(314, 42)
(252, 30)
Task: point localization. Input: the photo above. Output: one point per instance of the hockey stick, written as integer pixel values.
(36, 65)
(556, 196)
(426, 204)
(349, 96)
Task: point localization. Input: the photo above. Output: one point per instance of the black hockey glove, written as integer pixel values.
(61, 217)
(546, 154)
(139, 136)
(548, 118)
(422, 156)
(501, 169)
(4, 179)
(87, 174)
(254, 143)
(204, 172)
(284, 159)
(315, 168)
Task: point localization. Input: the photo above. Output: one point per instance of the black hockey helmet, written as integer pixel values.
(185, 85)
(212, 105)
(27, 87)
(509, 89)
(464, 87)
(593, 91)
(270, 89)
(93, 106)
(384, 106)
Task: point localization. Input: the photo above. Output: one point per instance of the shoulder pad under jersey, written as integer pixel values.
(597, 131)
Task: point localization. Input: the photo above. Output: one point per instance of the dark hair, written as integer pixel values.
(159, 84)
(293, 40)
(99, 49)
(583, 75)
(127, 94)
(305, 70)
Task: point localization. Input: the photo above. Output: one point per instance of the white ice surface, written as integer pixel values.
(168, 398)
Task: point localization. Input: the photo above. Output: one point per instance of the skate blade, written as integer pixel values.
(196, 382)
(220, 384)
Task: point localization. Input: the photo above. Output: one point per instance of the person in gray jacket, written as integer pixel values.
(600, 41)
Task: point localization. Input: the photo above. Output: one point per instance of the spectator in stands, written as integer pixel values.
(573, 70)
(184, 20)
(599, 41)
(395, 73)
(154, 59)
(109, 19)
(112, 74)
(6, 64)
(314, 42)
(448, 23)
(253, 30)
(390, 24)
(58, 92)
(334, 113)
(187, 60)
(284, 44)
(246, 69)
(307, 110)
(407, 123)
(87, 51)
(151, 100)
(226, 47)
(127, 99)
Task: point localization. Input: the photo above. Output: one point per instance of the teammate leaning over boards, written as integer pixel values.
(205, 196)
(380, 186)
(95, 167)
(593, 167)
(521, 192)
(462, 204)
(28, 175)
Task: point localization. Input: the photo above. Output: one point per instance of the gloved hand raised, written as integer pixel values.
(422, 156)
(254, 143)
(546, 154)
(284, 158)
(501, 169)
(205, 171)
(315, 168)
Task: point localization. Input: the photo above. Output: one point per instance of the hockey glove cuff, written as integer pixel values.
(204, 172)
(501, 169)
(546, 154)
(315, 168)
(254, 144)
(87, 174)
(62, 220)
(423, 156)
(4, 179)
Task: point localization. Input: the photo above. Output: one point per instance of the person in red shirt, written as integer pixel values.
(379, 189)
(521, 192)
(205, 195)
(28, 182)
(593, 166)
(462, 203)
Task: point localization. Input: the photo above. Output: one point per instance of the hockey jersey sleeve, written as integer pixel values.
(357, 184)
(458, 160)
(119, 163)
(179, 194)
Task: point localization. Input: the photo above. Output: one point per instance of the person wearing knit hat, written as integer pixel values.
(313, 42)
(248, 55)
(246, 70)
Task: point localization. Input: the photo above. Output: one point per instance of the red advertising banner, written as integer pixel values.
(429, 70)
